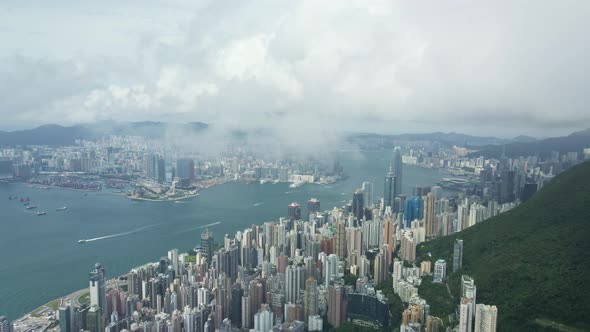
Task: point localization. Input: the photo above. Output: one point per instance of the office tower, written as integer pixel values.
(389, 192)
(185, 169)
(397, 169)
(457, 255)
(94, 319)
(98, 290)
(340, 239)
(507, 187)
(294, 211)
(485, 318)
(429, 216)
(465, 315)
(310, 299)
(368, 199)
(336, 305)
(66, 319)
(236, 305)
(358, 209)
(313, 206)
(155, 167)
(412, 210)
(5, 324)
(440, 270)
(294, 280)
(207, 245)
(528, 191)
(173, 258)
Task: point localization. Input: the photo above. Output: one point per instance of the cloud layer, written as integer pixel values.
(301, 67)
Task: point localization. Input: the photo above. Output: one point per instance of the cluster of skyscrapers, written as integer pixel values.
(291, 274)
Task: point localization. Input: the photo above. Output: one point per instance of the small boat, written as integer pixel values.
(30, 207)
(81, 241)
(41, 213)
(61, 208)
(26, 203)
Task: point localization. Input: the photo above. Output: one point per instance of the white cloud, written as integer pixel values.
(504, 67)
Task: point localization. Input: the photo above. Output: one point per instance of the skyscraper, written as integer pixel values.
(368, 198)
(5, 324)
(313, 206)
(389, 192)
(440, 270)
(358, 207)
(294, 276)
(207, 245)
(507, 187)
(294, 211)
(336, 305)
(397, 169)
(429, 216)
(465, 315)
(98, 290)
(340, 239)
(457, 255)
(485, 318)
(310, 299)
(185, 168)
(155, 167)
(412, 210)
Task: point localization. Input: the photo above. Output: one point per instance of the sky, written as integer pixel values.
(303, 68)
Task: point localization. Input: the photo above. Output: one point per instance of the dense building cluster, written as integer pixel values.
(294, 274)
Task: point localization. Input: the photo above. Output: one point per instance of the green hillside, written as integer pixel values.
(533, 262)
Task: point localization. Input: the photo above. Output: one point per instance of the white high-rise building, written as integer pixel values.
(263, 321)
(294, 279)
(465, 315)
(368, 198)
(485, 318)
(173, 257)
(440, 270)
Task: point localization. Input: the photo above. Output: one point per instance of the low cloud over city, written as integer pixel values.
(299, 66)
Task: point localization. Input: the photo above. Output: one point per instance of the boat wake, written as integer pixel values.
(288, 192)
(118, 234)
(256, 204)
(180, 202)
(200, 227)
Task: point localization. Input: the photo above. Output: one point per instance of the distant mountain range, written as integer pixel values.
(55, 135)
(531, 261)
(574, 142)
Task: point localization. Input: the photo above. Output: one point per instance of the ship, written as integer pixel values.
(30, 207)
(81, 241)
(61, 208)
(41, 213)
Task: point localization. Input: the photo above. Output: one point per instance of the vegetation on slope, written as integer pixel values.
(531, 261)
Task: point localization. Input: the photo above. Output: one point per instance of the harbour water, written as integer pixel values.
(41, 258)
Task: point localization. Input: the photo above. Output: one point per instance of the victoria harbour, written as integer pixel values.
(42, 259)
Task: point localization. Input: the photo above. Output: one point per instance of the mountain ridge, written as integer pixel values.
(530, 261)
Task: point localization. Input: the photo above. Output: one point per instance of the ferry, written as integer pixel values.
(61, 208)
(41, 213)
